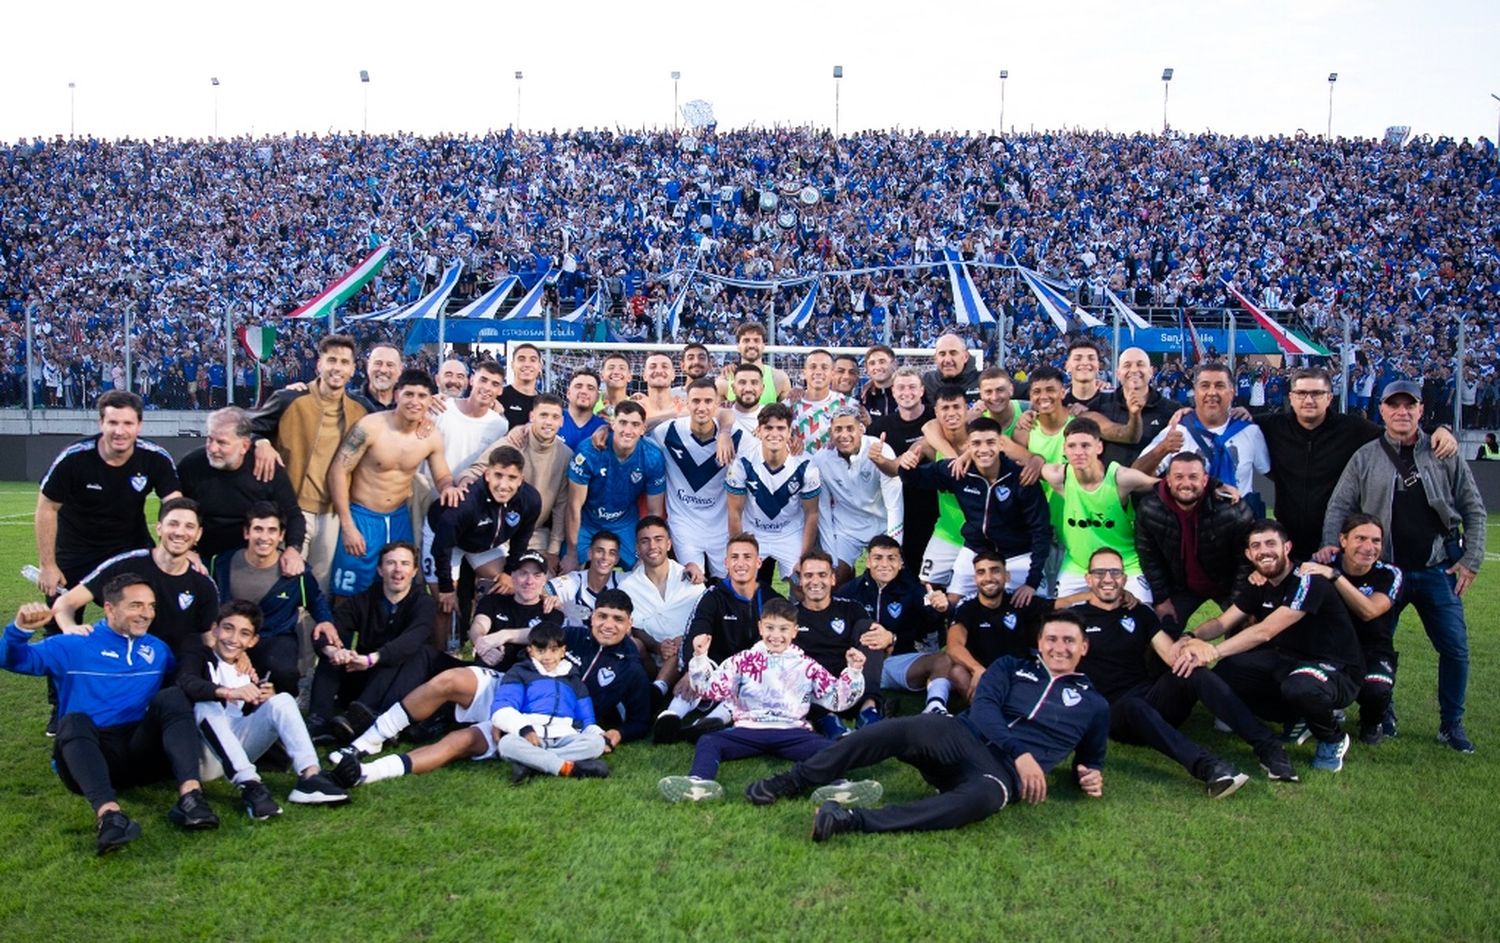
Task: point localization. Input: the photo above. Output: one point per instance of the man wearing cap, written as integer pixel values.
(1309, 447)
(1435, 519)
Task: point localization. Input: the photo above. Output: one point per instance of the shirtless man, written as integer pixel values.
(660, 404)
(370, 481)
(615, 372)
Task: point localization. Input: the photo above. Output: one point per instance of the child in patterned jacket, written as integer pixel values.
(768, 688)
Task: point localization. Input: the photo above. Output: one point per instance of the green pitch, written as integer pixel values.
(1400, 845)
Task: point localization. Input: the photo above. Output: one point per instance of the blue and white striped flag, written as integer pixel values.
(488, 304)
(799, 316)
(1126, 315)
(968, 307)
(429, 306)
(1057, 307)
(589, 307)
(530, 304)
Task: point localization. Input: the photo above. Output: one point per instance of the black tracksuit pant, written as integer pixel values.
(1150, 713)
(92, 761)
(1282, 687)
(275, 657)
(972, 782)
(377, 689)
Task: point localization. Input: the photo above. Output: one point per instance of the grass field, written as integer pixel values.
(1399, 846)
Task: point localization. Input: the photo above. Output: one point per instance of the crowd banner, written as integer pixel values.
(968, 307)
(1055, 306)
(435, 300)
(346, 286)
(1124, 311)
(530, 304)
(488, 304)
(591, 306)
(1290, 341)
(803, 313)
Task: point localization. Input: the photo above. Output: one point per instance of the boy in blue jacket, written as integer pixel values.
(119, 726)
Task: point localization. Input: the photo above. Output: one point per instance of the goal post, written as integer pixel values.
(561, 358)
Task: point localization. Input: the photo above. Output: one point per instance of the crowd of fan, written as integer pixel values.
(177, 233)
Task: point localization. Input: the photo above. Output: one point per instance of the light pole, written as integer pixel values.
(364, 79)
(675, 76)
(518, 99)
(1004, 74)
(838, 76)
(72, 102)
(215, 82)
(1166, 83)
(1332, 77)
(1497, 131)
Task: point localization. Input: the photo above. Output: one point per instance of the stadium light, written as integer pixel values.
(675, 76)
(1332, 77)
(838, 75)
(518, 99)
(364, 80)
(1004, 74)
(215, 82)
(1166, 82)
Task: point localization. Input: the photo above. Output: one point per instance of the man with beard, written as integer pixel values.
(880, 367)
(579, 419)
(954, 368)
(827, 628)
(382, 367)
(750, 341)
(746, 395)
(453, 378)
(1134, 373)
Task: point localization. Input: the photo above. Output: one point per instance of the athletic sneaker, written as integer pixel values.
(1329, 757)
(689, 789)
(259, 804)
(783, 785)
(318, 789)
(1371, 734)
(1453, 735)
(345, 772)
(520, 773)
(355, 720)
(870, 715)
(849, 793)
(1224, 780)
(1388, 722)
(830, 819)
(1296, 732)
(936, 706)
(193, 812)
(589, 769)
(701, 727)
(51, 731)
(831, 727)
(667, 728)
(1278, 768)
(116, 830)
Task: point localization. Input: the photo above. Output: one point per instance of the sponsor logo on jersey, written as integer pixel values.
(108, 653)
(974, 491)
(1071, 697)
(484, 522)
(91, 486)
(138, 482)
(679, 453)
(1023, 673)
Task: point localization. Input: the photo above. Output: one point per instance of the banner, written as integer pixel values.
(530, 305)
(1124, 311)
(487, 331)
(347, 286)
(488, 304)
(1059, 309)
(800, 315)
(433, 303)
(591, 306)
(968, 307)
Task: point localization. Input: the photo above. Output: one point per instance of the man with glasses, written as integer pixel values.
(1309, 447)
(1436, 520)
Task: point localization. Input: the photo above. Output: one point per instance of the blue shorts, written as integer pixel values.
(352, 575)
(624, 529)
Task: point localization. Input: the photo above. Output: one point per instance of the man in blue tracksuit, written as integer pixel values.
(118, 726)
(1026, 717)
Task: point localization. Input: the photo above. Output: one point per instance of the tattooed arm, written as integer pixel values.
(345, 460)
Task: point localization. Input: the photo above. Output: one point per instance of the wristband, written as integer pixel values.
(1189, 633)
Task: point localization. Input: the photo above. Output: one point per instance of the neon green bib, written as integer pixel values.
(1095, 519)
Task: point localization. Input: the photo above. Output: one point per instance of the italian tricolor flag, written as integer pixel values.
(258, 342)
(1288, 340)
(347, 286)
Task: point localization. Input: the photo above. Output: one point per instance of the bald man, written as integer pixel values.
(1134, 372)
(954, 368)
(453, 378)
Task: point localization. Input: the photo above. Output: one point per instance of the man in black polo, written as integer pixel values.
(1295, 654)
(1133, 385)
(828, 627)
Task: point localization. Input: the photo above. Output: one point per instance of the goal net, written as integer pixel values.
(561, 358)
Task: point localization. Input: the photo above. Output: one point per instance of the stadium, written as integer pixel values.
(165, 273)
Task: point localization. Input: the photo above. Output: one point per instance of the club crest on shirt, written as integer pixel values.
(512, 518)
(1367, 590)
(1002, 493)
(894, 609)
(1071, 697)
(1010, 621)
(837, 625)
(138, 482)
(147, 653)
(1128, 624)
(536, 621)
(184, 600)
(606, 675)
(635, 476)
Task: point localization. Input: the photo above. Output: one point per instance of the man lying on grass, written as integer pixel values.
(1026, 717)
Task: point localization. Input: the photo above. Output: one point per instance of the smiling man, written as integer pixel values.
(224, 485)
(1233, 449)
(1026, 717)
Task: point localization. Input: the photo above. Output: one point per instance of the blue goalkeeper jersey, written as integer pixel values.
(615, 484)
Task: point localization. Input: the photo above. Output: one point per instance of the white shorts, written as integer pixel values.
(476, 560)
(1135, 584)
(893, 672)
(937, 561)
(694, 543)
(1017, 568)
(478, 711)
(785, 549)
(845, 547)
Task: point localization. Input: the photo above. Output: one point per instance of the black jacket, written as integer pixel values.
(366, 625)
(1222, 529)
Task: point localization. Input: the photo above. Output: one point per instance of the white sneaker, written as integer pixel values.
(936, 706)
(689, 789)
(848, 793)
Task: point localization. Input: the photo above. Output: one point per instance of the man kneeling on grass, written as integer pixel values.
(541, 718)
(1027, 715)
(768, 689)
(221, 683)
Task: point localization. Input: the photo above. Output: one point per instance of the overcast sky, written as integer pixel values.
(1242, 66)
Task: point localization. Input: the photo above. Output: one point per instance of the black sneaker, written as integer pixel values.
(320, 730)
(520, 773)
(193, 812)
(259, 803)
(355, 720)
(1278, 768)
(1371, 734)
(830, 819)
(1224, 779)
(1388, 723)
(702, 727)
(318, 789)
(51, 731)
(346, 772)
(116, 830)
(1453, 735)
(783, 785)
(667, 728)
(589, 769)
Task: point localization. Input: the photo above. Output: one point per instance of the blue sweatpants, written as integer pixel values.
(738, 743)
